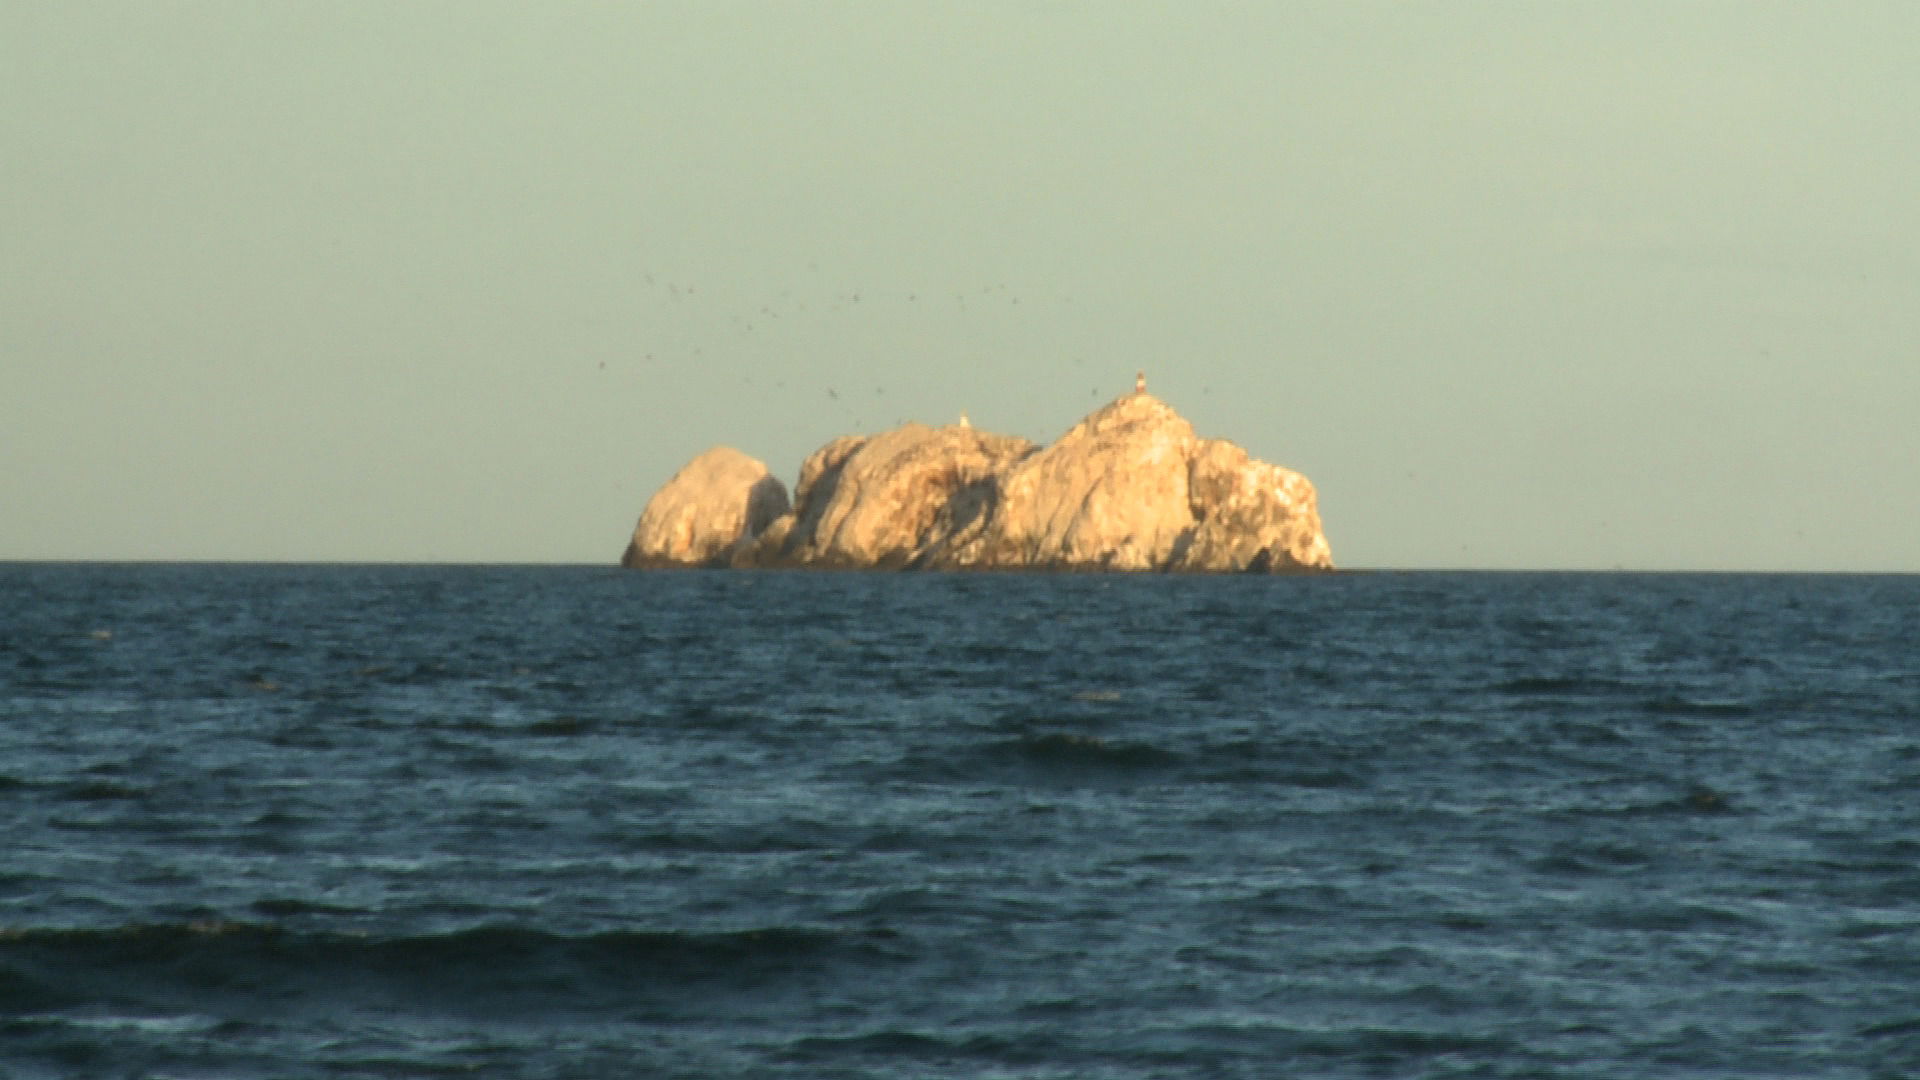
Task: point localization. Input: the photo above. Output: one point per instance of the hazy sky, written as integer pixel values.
(1527, 284)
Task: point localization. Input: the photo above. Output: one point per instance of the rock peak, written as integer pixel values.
(1138, 407)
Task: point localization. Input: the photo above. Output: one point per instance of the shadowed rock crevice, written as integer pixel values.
(1130, 487)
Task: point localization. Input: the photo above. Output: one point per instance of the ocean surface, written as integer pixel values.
(573, 822)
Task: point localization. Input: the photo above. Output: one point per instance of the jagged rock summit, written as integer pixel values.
(1130, 487)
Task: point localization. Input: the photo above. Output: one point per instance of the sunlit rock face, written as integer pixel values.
(1111, 494)
(713, 508)
(1129, 488)
(1249, 515)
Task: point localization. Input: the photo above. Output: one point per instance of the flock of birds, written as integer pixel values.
(684, 318)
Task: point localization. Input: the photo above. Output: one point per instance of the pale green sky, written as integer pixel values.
(1527, 284)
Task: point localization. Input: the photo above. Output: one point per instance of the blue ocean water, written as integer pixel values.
(389, 821)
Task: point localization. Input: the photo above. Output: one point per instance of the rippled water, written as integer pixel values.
(423, 821)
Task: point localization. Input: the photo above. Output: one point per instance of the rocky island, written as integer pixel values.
(1131, 487)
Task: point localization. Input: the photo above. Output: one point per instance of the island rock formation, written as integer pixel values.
(1131, 487)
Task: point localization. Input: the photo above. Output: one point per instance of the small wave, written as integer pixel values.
(170, 1026)
(1055, 756)
(1026, 1048)
(1680, 918)
(1696, 799)
(1596, 858)
(559, 726)
(1891, 1028)
(1870, 929)
(1312, 779)
(1410, 1042)
(1227, 1043)
(1074, 751)
(302, 736)
(1902, 888)
(799, 837)
(1585, 733)
(55, 969)
(1701, 799)
(103, 791)
(1558, 686)
(1703, 710)
(890, 1042)
(275, 907)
